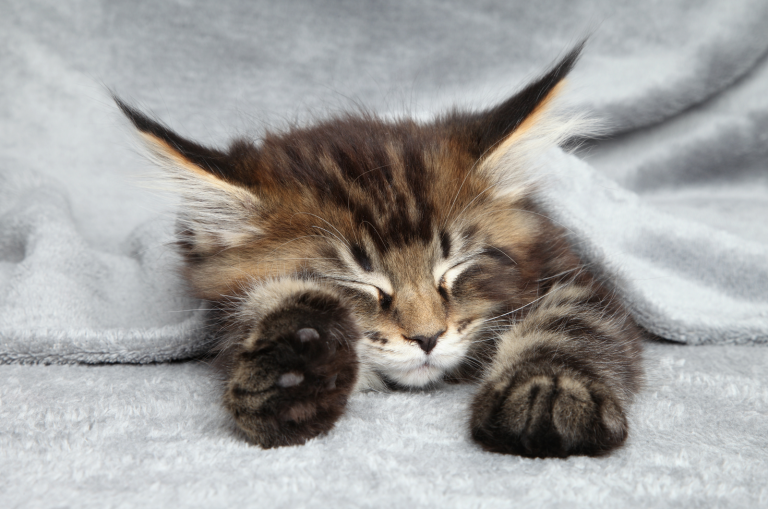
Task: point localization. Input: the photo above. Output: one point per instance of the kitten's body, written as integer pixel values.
(363, 253)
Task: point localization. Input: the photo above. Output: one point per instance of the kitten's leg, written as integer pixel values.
(561, 378)
(295, 366)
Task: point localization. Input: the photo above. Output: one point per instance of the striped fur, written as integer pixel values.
(360, 253)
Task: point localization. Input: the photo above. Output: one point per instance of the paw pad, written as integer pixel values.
(307, 334)
(290, 379)
(293, 379)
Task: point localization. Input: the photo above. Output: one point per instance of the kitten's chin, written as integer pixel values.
(411, 368)
(420, 376)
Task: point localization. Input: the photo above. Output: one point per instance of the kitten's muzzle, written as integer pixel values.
(426, 343)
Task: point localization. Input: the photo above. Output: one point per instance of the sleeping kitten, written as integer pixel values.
(363, 253)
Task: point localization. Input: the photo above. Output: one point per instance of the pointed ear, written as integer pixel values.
(507, 137)
(216, 213)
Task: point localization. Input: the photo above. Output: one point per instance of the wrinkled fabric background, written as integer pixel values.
(671, 207)
(85, 271)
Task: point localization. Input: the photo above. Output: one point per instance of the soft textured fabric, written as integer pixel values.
(670, 208)
(155, 436)
(685, 278)
(86, 273)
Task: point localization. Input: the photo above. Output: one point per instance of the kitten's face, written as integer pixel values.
(402, 222)
(424, 304)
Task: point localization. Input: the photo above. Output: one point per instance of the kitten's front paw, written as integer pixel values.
(291, 383)
(548, 416)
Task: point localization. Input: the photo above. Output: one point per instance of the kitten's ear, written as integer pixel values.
(505, 138)
(216, 212)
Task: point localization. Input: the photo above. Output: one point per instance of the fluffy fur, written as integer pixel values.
(362, 253)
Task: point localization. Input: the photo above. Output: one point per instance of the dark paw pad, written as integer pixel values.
(293, 386)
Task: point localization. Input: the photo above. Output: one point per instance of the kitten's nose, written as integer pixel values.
(426, 343)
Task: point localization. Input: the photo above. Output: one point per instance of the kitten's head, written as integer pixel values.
(427, 228)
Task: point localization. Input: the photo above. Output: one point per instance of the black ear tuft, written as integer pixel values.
(488, 128)
(211, 160)
(215, 213)
(503, 119)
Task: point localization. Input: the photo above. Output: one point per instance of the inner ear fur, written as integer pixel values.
(175, 148)
(526, 109)
(505, 138)
(216, 212)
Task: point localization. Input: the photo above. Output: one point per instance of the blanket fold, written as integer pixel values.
(66, 301)
(671, 208)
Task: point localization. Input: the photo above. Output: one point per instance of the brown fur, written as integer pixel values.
(362, 253)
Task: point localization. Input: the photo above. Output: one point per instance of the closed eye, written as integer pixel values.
(450, 275)
(384, 298)
(454, 271)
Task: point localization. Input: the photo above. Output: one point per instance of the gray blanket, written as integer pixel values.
(671, 207)
(155, 436)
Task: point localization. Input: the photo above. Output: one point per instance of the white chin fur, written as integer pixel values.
(417, 377)
(424, 370)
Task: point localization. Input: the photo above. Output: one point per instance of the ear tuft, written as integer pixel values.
(507, 138)
(215, 214)
(162, 138)
(521, 111)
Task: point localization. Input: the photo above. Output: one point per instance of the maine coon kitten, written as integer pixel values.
(368, 253)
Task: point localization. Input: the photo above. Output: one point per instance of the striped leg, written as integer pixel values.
(561, 378)
(292, 373)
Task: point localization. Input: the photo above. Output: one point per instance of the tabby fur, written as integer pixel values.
(362, 253)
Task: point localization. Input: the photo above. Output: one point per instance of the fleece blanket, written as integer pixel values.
(154, 436)
(671, 206)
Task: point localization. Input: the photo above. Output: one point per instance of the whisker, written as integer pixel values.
(515, 310)
(298, 238)
(333, 234)
(377, 232)
(326, 222)
(502, 252)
